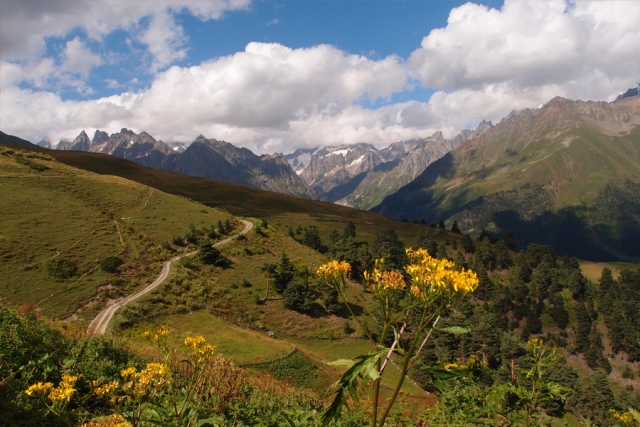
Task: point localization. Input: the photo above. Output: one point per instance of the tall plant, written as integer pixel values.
(410, 308)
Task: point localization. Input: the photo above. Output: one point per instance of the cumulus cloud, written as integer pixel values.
(267, 92)
(269, 97)
(533, 44)
(78, 59)
(25, 26)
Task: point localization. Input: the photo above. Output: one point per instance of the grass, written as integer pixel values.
(66, 213)
(593, 270)
(240, 344)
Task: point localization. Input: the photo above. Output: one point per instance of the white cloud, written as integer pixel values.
(165, 40)
(26, 25)
(274, 21)
(78, 59)
(268, 91)
(533, 44)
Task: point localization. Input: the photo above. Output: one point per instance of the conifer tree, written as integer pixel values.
(577, 284)
(594, 355)
(284, 273)
(583, 328)
(558, 312)
(534, 324)
(349, 230)
(510, 241)
(425, 241)
(597, 398)
(467, 244)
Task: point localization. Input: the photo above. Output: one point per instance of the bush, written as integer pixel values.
(111, 264)
(208, 254)
(60, 268)
(246, 283)
(298, 297)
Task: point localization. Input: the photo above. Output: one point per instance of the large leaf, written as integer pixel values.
(361, 368)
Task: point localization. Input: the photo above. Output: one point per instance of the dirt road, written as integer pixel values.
(101, 322)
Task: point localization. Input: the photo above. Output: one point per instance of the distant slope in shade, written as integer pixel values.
(10, 139)
(566, 174)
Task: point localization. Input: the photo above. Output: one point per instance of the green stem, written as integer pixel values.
(407, 358)
(376, 392)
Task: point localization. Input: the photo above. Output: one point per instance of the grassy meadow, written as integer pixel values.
(64, 213)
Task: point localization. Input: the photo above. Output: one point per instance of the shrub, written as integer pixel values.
(298, 296)
(246, 283)
(110, 264)
(60, 268)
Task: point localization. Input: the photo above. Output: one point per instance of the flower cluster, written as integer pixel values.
(431, 276)
(334, 273)
(144, 383)
(384, 283)
(194, 342)
(105, 389)
(65, 390)
(115, 420)
(161, 332)
(625, 418)
(63, 393)
(38, 389)
(199, 349)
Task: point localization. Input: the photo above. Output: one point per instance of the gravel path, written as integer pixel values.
(101, 321)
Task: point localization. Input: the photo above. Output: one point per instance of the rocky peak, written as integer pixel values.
(81, 143)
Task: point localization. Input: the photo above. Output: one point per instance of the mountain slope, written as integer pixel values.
(360, 175)
(54, 216)
(206, 158)
(566, 174)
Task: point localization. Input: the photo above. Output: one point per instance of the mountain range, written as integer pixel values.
(565, 174)
(361, 176)
(206, 158)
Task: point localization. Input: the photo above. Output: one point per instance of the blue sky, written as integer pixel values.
(280, 75)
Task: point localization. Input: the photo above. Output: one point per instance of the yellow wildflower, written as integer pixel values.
(115, 420)
(146, 334)
(62, 392)
(161, 332)
(105, 389)
(624, 418)
(333, 267)
(129, 372)
(334, 273)
(38, 389)
(194, 342)
(204, 352)
(435, 276)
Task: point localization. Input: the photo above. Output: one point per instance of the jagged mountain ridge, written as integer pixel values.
(566, 174)
(206, 158)
(360, 175)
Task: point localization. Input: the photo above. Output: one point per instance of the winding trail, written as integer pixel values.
(101, 322)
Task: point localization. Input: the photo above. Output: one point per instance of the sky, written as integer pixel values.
(278, 75)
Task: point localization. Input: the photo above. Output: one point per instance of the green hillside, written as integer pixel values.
(59, 223)
(565, 175)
